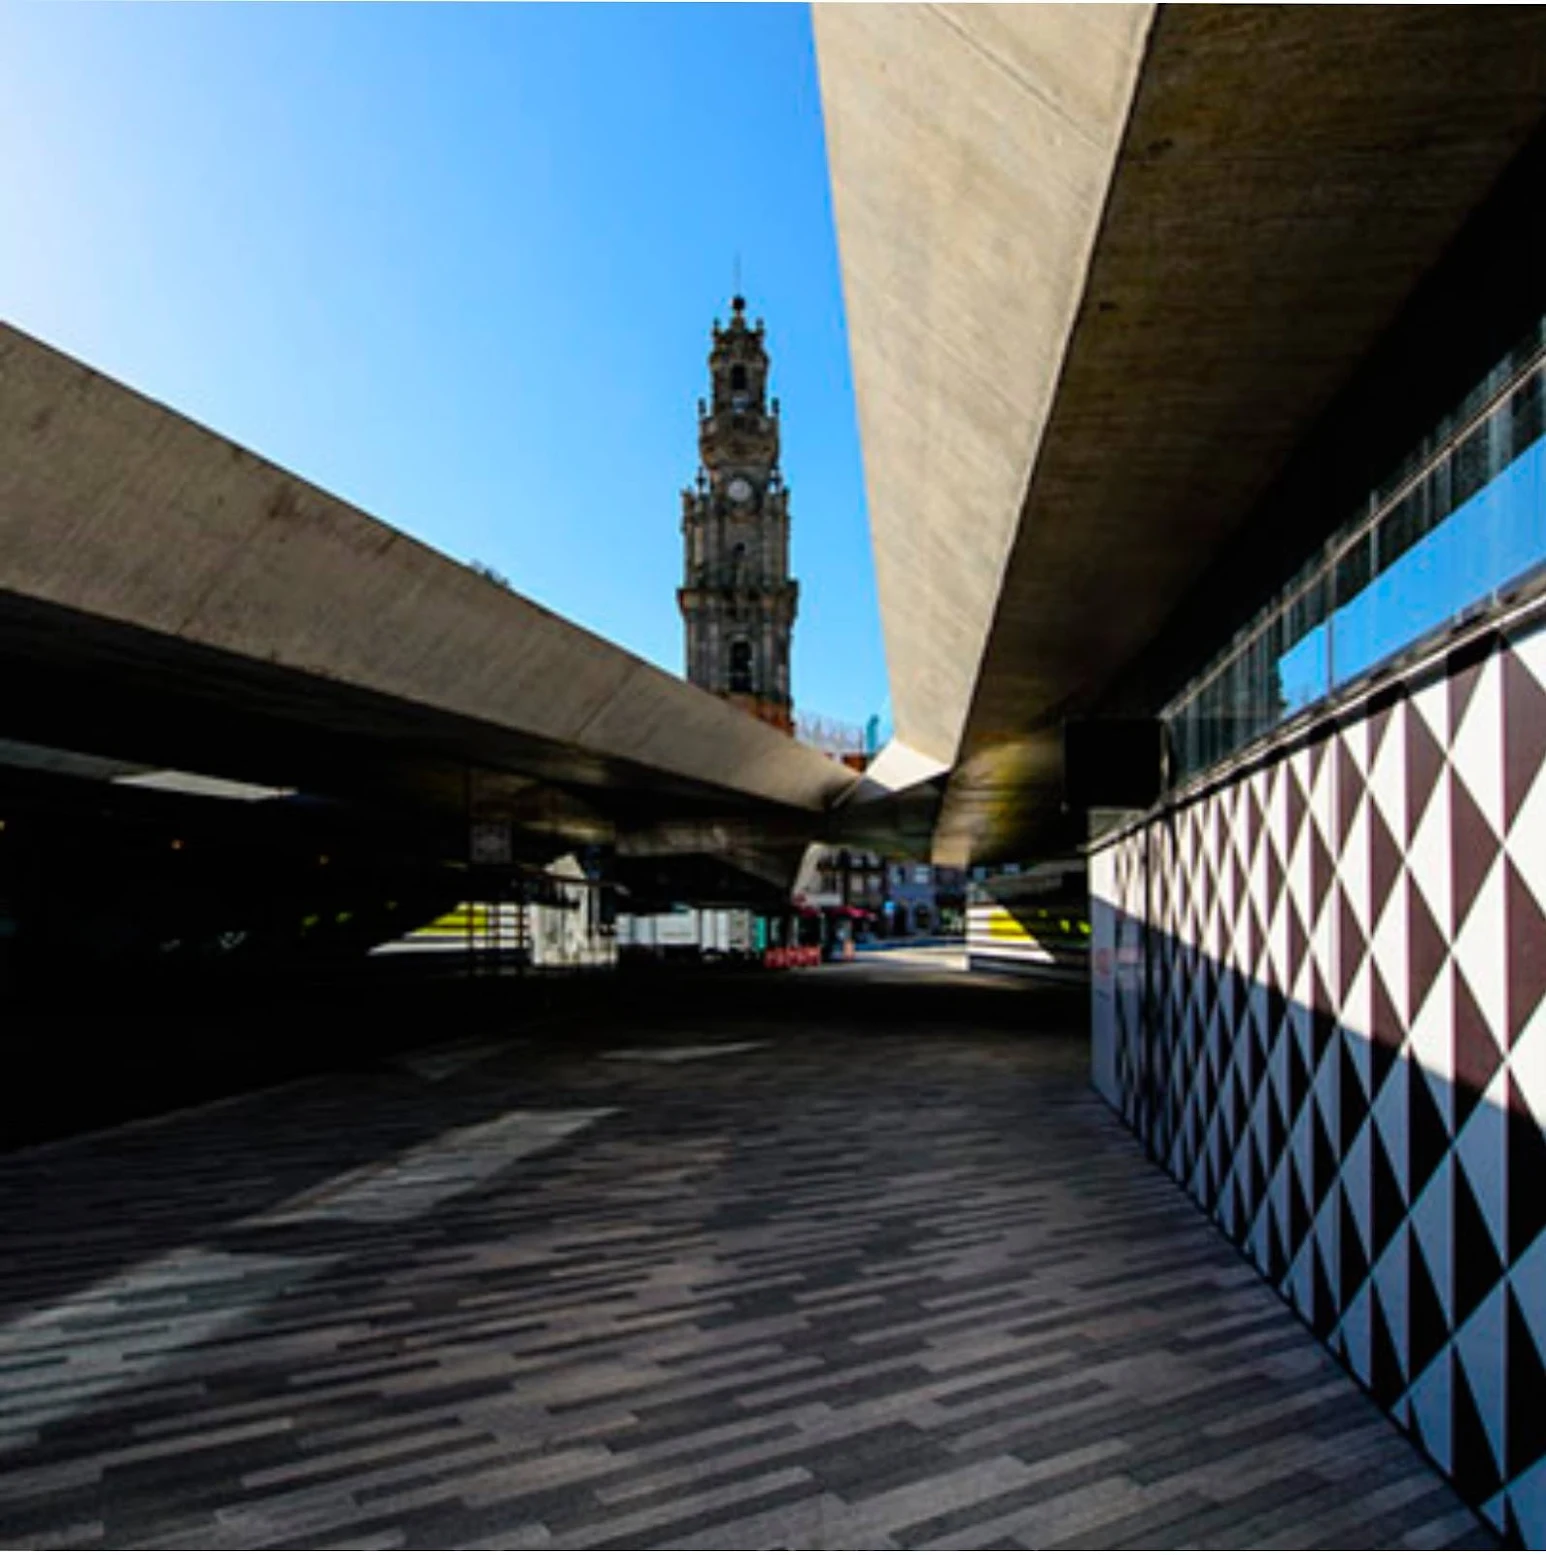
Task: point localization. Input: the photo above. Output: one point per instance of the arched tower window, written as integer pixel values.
(738, 376)
(740, 665)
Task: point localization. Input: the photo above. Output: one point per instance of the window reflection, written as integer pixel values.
(1461, 523)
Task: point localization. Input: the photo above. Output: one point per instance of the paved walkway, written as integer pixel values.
(865, 1264)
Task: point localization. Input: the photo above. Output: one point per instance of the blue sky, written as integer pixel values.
(457, 265)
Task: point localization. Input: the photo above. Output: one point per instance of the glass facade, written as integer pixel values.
(1462, 522)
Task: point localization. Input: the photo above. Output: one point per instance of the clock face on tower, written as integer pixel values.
(740, 489)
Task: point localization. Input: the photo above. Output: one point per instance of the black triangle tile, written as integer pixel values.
(1524, 732)
(1526, 944)
(1427, 1328)
(1387, 1382)
(1426, 1137)
(1473, 1467)
(1524, 1440)
(1478, 1266)
(1526, 1176)
(1473, 848)
(1477, 1055)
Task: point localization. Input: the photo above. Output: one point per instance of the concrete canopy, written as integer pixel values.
(1104, 269)
(167, 597)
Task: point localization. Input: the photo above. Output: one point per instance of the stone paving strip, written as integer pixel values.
(850, 1277)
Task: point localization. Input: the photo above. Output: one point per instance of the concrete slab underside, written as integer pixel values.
(882, 1273)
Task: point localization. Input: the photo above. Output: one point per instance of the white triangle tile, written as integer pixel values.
(1432, 1224)
(1390, 1280)
(1355, 1182)
(1325, 1235)
(1479, 1348)
(1300, 1284)
(1301, 1150)
(1477, 749)
(1430, 1406)
(1527, 1498)
(1494, 1511)
(1479, 951)
(1482, 1149)
(1431, 1043)
(1390, 1117)
(1355, 1331)
(1527, 1277)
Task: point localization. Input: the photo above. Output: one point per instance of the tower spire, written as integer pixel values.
(737, 598)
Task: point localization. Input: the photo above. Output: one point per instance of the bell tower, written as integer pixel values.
(737, 598)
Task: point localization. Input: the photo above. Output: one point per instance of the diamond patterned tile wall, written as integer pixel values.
(1318, 999)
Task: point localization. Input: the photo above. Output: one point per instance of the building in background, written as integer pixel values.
(737, 599)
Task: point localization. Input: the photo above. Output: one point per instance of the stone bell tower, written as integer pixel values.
(738, 600)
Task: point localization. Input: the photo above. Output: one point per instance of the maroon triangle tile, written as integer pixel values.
(1464, 670)
(1322, 868)
(1381, 718)
(1427, 1330)
(1351, 945)
(1472, 1465)
(1352, 1098)
(1526, 1176)
(1386, 1199)
(1478, 1265)
(1525, 1438)
(1350, 790)
(1426, 1137)
(1424, 764)
(1473, 848)
(1477, 1054)
(1386, 1031)
(1525, 947)
(1386, 1380)
(1324, 1313)
(1524, 732)
(1427, 948)
(1384, 863)
(1352, 1255)
(1295, 807)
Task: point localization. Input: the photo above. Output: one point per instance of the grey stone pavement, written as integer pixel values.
(851, 1258)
